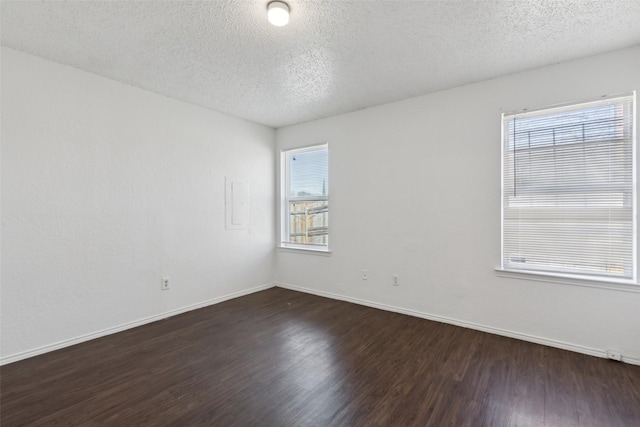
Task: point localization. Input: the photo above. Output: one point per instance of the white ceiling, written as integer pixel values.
(333, 57)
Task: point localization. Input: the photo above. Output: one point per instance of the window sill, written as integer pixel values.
(604, 283)
(303, 250)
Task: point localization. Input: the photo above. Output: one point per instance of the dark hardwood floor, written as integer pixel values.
(282, 358)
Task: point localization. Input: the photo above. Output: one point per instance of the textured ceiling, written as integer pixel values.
(333, 57)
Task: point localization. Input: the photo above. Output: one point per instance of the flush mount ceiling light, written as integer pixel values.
(278, 13)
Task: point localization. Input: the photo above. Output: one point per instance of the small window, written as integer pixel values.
(305, 190)
(568, 190)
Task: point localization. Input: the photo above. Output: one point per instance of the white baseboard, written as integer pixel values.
(464, 324)
(525, 337)
(66, 343)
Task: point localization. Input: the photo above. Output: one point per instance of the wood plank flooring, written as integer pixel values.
(283, 358)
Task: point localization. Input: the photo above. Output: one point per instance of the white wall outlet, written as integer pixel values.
(365, 275)
(396, 280)
(614, 355)
(165, 283)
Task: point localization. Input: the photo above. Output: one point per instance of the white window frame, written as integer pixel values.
(286, 199)
(564, 276)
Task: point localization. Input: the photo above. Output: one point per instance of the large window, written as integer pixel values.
(305, 210)
(569, 192)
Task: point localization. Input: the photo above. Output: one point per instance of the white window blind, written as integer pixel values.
(306, 204)
(568, 190)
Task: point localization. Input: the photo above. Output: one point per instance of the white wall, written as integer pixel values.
(415, 191)
(105, 189)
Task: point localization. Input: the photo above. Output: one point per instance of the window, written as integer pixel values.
(305, 190)
(568, 190)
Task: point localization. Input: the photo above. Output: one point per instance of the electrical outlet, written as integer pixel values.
(396, 280)
(165, 283)
(614, 355)
(365, 275)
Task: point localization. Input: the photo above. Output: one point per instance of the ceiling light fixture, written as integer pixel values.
(278, 13)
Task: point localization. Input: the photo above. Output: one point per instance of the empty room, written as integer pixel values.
(319, 213)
